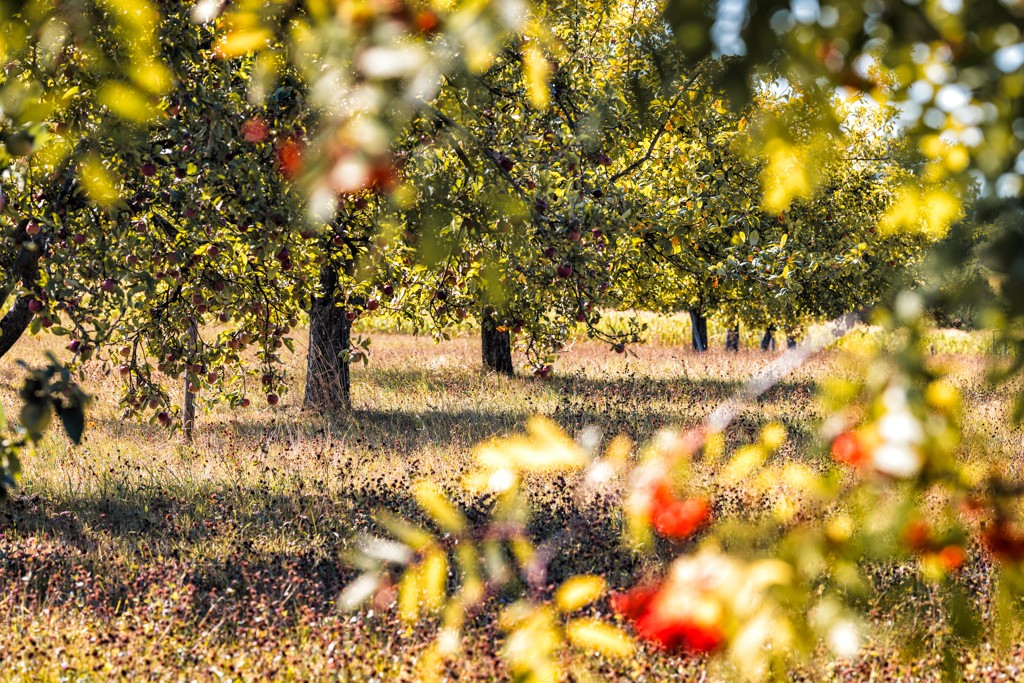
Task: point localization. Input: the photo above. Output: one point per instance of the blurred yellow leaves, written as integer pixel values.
(578, 592)
(928, 210)
(99, 183)
(537, 70)
(597, 636)
(544, 448)
(785, 177)
(125, 101)
(440, 509)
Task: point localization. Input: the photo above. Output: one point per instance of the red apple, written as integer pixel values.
(148, 169)
(108, 285)
(372, 305)
(574, 235)
(32, 229)
(124, 370)
(387, 290)
(74, 345)
(564, 270)
(273, 399)
(35, 305)
(79, 239)
(244, 403)
(212, 251)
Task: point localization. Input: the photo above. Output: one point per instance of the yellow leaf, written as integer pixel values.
(98, 182)
(594, 635)
(409, 594)
(746, 460)
(434, 503)
(433, 579)
(782, 242)
(242, 41)
(578, 592)
(537, 70)
(126, 102)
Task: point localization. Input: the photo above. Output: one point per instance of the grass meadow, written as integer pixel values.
(132, 556)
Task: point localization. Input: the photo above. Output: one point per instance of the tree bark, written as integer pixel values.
(328, 383)
(698, 330)
(732, 338)
(790, 340)
(768, 340)
(495, 347)
(188, 407)
(26, 271)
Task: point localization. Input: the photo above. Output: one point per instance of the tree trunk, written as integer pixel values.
(496, 347)
(790, 340)
(732, 338)
(698, 330)
(768, 340)
(25, 270)
(328, 384)
(188, 408)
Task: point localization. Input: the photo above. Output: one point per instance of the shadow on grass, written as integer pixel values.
(260, 549)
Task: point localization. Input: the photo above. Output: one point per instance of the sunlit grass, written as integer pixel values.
(135, 554)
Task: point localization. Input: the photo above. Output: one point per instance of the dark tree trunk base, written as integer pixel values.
(698, 331)
(732, 338)
(328, 383)
(768, 340)
(791, 341)
(496, 349)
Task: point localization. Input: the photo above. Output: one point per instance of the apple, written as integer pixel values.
(148, 169)
(387, 289)
(212, 251)
(581, 317)
(153, 404)
(74, 345)
(549, 252)
(124, 370)
(619, 348)
(338, 241)
(180, 174)
(574, 235)
(79, 239)
(211, 377)
(224, 317)
(461, 313)
(564, 270)
(131, 259)
(35, 305)
(372, 305)
(193, 387)
(32, 229)
(273, 399)
(125, 351)
(45, 322)
(540, 205)
(163, 418)
(244, 403)
(350, 315)
(197, 299)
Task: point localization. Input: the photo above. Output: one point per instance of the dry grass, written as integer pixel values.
(134, 556)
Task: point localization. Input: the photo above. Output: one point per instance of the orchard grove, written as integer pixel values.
(186, 187)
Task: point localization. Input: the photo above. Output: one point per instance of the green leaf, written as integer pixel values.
(73, 419)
